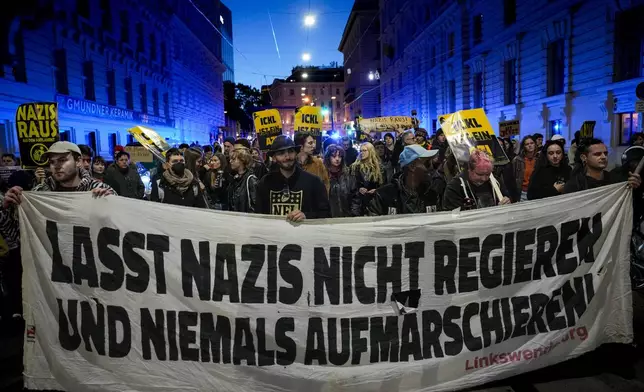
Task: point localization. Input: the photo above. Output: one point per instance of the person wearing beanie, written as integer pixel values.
(440, 144)
(229, 146)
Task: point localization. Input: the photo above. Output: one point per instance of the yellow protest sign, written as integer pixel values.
(509, 128)
(150, 140)
(390, 123)
(309, 119)
(37, 126)
(469, 129)
(588, 129)
(268, 126)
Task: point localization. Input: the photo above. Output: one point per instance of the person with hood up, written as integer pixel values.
(288, 190)
(473, 189)
(369, 176)
(307, 160)
(216, 181)
(523, 165)
(590, 172)
(176, 185)
(551, 172)
(242, 190)
(124, 178)
(411, 192)
(343, 186)
(67, 175)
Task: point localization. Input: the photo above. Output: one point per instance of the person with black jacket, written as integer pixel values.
(591, 172)
(350, 153)
(411, 192)
(343, 186)
(124, 178)
(176, 185)
(216, 181)
(243, 185)
(473, 189)
(440, 144)
(288, 190)
(551, 172)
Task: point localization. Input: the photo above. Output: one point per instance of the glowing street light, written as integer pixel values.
(333, 97)
(303, 94)
(371, 76)
(303, 88)
(306, 57)
(305, 75)
(325, 111)
(309, 20)
(305, 99)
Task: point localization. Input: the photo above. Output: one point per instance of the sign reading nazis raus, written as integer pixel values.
(37, 125)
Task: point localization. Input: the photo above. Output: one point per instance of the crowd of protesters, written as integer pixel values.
(301, 178)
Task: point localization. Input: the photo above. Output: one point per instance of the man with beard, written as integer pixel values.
(473, 188)
(177, 185)
(410, 193)
(67, 175)
(124, 178)
(592, 171)
(288, 190)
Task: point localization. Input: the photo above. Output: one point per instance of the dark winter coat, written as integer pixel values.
(164, 192)
(343, 190)
(543, 180)
(277, 195)
(242, 192)
(126, 184)
(395, 199)
(472, 197)
(217, 193)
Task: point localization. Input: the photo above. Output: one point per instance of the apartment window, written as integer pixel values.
(166, 105)
(125, 27)
(510, 82)
(60, 71)
(155, 101)
(451, 42)
(164, 54)
(106, 15)
(477, 81)
(291, 92)
(477, 29)
(140, 39)
(322, 91)
(629, 44)
(91, 140)
(19, 69)
(509, 12)
(313, 93)
(129, 139)
(88, 81)
(111, 142)
(337, 104)
(556, 67)
(129, 94)
(555, 128)
(629, 125)
(432, 56)
(451, 88)
(337, 91)
(111, 87)
(65, 136)
(143, 91)
(153, 47)
(83, 8)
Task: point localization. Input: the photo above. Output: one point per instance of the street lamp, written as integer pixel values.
(303, 88)
(371, 76)
(305, 99)
(305, 75)
(309, 20)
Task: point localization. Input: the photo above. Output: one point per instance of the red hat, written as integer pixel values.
(119, 148)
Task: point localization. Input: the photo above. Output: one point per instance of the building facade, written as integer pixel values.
(111, 66)
(227, 51)
(318, 86)
(360, 46)
(549, 64)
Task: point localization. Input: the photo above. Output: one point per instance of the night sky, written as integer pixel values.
(253, 37)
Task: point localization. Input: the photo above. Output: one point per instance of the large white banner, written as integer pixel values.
(127, 295)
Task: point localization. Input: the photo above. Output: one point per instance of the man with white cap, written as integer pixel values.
(411, 193)
(67, 175)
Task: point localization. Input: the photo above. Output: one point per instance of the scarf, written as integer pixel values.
(181, 184)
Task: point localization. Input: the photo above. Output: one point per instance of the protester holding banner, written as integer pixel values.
(343, 186)
(523, 165)
(551, 172)
(216, 182)
(98, 168)
(591, 173)
(411, 192)
(369, 176)
(175, 184)
(124, 178)
(308, 162)
(243, 185)
(473, 189)
(288, 190)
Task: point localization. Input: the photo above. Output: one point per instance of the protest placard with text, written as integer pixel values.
(37, 126)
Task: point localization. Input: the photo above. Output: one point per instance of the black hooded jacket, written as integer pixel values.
(472, 197)
(341, 193)
(277, 195)
(543, 180)
(396, 199)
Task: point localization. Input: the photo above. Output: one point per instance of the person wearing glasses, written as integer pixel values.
(289, 191)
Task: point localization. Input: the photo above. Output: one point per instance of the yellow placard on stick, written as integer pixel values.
(587, 129)
(37, 125)
(509, 128)
(268, 126)
(391, 123)
(469, 129)
(150, 140)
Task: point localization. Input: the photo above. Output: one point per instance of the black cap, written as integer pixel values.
(281, 143)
